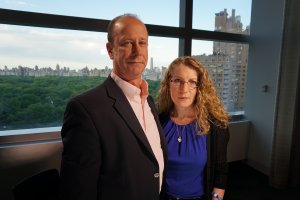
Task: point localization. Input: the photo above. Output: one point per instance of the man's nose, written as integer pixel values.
(136, 49)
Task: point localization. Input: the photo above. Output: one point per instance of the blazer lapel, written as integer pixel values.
(124, 109)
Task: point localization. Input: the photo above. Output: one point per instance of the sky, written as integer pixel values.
(45, 47)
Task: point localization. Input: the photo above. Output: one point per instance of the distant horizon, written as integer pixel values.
(77, 68)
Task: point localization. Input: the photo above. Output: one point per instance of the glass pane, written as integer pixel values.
(163, 51)
(45, 47)
(150, 12)
(227, 64)
(226, 16)
(42, 68)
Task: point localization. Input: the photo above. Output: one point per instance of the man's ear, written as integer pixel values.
(109, 49)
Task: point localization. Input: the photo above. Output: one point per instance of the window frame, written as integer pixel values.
(185, 33)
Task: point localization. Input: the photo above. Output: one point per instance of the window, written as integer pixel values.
(52, 50)
(220, 59)
(148, 11)
(46, 67)
(216, 15)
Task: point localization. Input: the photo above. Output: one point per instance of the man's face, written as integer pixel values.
(129, 49)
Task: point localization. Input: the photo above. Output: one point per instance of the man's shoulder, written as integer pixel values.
(98, 91)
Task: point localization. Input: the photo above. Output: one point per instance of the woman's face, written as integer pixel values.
(183, 87)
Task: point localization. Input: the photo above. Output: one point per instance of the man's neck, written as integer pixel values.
(136, 82)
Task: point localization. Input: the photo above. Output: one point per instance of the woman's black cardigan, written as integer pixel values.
(217, 166)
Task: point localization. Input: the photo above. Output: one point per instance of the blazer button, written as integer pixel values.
(156, 175)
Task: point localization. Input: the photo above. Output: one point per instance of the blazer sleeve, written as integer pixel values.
(81, 157)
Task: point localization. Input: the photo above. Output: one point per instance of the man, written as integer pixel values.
(114, 147)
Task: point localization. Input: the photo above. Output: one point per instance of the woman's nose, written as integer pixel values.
(184, 86)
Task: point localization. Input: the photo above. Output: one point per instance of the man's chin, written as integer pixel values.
(137, 69)
(137, 65)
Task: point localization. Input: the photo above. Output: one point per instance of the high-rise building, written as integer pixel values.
(151, 63)
(227, 64)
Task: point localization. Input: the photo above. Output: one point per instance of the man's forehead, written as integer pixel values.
(131, 37)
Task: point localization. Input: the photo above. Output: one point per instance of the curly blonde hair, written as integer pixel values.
(209, 107)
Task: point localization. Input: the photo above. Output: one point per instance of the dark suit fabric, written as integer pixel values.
(106, 154)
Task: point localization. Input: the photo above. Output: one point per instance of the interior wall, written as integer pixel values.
(239, 141)
(263, 70)
(285, 137)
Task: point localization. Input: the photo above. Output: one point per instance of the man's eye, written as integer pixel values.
(126, 43)
(143, 43)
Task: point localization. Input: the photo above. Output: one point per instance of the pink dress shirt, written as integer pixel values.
(137, 98)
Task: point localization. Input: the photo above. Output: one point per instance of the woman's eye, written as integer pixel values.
(177, 80)
(192, 82)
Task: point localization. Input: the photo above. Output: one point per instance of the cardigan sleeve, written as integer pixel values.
(220, 142)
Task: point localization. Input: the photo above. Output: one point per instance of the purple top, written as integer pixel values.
(186, 160)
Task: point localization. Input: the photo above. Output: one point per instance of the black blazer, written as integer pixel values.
(106, 154)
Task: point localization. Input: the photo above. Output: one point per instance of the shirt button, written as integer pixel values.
(156, 175)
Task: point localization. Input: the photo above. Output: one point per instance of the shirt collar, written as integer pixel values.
(130, 90)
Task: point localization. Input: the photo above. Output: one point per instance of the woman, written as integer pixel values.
(196, 128)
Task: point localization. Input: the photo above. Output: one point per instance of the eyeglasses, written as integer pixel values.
(178, 82)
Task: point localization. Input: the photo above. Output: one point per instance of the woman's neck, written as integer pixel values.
(183, 116)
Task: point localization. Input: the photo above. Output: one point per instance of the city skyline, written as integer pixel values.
(45, 47)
